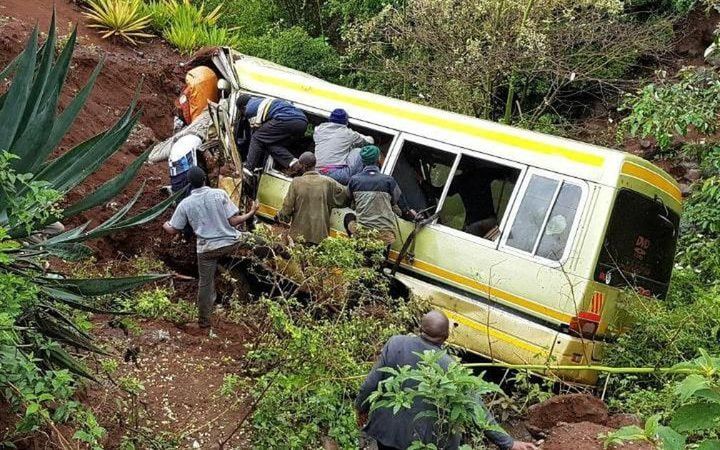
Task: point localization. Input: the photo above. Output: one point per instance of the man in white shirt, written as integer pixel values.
(337, 148)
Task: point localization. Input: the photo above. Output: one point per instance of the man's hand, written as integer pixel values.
(169, 229)
(518, 445)
(254, 207)
(362, 418)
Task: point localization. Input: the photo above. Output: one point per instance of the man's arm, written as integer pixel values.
(177, 222)
(169, 229)
(339, 195)
(503, 440)
(288, 207)
(360, 140)
(238, 219)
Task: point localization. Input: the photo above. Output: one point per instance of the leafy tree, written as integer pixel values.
(486, 58)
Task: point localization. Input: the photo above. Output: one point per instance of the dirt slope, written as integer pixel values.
(154, 64)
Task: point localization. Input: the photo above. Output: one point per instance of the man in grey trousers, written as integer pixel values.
(213, 218)
(398, 431)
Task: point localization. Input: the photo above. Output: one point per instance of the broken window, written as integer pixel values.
(421, 172)
(545, 217)
(478, 196)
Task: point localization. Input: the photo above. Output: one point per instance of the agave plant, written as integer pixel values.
(31, 183)
(124, 18)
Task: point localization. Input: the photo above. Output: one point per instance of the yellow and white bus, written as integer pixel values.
(575, 224)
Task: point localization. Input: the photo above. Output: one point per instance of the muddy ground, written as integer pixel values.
(181, 370)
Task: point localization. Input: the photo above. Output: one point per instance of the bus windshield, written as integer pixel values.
(639, 245)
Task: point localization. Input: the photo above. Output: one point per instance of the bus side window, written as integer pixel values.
(421, 172)
(478, 196)
(545, 217)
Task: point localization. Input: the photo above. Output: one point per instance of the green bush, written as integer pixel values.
(295, 48)
(190, 26)
(156, 304)
(695, 412)
(311, 370)
(671, 108)
(246, 17)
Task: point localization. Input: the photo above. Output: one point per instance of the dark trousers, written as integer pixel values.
(207, 265)
(273, 137)
(385, 447)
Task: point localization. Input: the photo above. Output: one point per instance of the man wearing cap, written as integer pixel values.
(399, 430)
(275, 124)
(376, 198)
(309, 202)
(213, 217)
(337, 147)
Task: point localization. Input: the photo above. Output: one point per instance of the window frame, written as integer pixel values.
(268, 169)
(459, 153)
(575, 226)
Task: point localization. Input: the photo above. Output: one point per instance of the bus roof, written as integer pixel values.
(566, 156)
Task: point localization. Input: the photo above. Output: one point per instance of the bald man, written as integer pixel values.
(398, 431)
(310, 201)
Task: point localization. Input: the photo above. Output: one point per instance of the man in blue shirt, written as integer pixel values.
(275, 124)
(398, 430)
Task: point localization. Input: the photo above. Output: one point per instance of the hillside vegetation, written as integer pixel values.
(630, 74)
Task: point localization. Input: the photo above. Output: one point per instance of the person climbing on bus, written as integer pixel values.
(274, 125)
(337, 147)
(183, 156)
(309, 202)
(376, 197)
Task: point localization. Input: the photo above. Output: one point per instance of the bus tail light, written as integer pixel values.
(585, 324)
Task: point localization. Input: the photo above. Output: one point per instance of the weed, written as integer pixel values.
(231, 384)
(109, 365)
(156, 304)
(122, 18)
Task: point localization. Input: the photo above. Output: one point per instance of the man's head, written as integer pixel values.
(370, 155)
(196, 177)
(340, 116)
(242, 101)
(307, 161)
(435, 327)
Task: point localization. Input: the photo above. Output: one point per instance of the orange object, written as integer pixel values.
(200, 87)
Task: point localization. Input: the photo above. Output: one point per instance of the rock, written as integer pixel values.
(623, 420)
(690, 165)
(141, 138)
(571, 408)
(585, 436)
(685, 189)
(693, 174)
(160, 335)
(644, 143)
(329, 443)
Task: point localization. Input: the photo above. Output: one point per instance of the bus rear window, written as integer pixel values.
(639, 245)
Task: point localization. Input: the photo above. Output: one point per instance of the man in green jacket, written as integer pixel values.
(310, 201)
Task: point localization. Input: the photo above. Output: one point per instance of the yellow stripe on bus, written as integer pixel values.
(400, 111)
(484, 288)
(267, 210)
(497, 334)
(654, 179)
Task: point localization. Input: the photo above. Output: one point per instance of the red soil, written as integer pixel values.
(154, 63)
